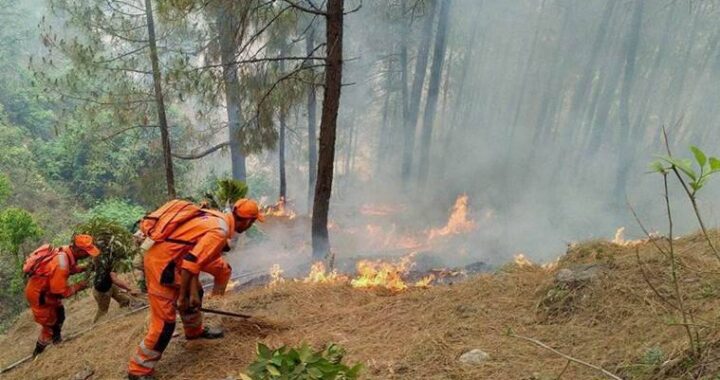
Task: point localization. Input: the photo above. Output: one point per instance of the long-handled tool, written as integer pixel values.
(227, 313)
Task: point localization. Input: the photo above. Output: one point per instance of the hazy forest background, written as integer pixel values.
(545, 112)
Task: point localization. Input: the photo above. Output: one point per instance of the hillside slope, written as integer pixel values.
(613, 319)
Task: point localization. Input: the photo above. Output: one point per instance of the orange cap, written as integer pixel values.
(248, 208)
(85, 242)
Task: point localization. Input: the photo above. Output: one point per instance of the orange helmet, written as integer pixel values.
(248, 209)
(85, 242)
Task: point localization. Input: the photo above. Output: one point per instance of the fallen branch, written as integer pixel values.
(568, 357)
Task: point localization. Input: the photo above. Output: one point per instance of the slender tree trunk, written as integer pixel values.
(416, 94)
(282, 118)
(433, 93)
(627, 150)
(328, 126)
(312, 122)
(404, 32)
(228, 25)
(383, 139)
(281, 155)
(160, 102)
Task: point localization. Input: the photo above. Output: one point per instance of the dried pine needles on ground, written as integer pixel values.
(594, 305)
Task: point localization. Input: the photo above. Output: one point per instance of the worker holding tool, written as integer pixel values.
(181, 239)
(107, 286)
(49, 269)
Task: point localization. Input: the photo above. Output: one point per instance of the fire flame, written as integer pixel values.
(276, 275)
(280, 210)
(382, 274)
(319, 275)
(521, 261)
(619, 239)
(459, 221)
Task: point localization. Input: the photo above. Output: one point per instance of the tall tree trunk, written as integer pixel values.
(433, 92)
(282, 116)
(160, 102)
(312, 122)
(627, 150)
(383, 139)
(328, 126)
(281, 155)
(416, 94)
(228, 25)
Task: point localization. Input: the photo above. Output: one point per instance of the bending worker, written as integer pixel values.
(49, 270)
(171, 274)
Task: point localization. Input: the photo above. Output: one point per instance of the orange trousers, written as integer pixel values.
(221, 272)
(48, 312)
(162, 319)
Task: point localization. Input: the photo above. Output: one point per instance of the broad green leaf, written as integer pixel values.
(714, 163)
(699, 155)
(264, 351)
(245, 377)
(683, 165)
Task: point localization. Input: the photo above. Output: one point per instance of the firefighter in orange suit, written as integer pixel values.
(171, 274)
(48, 285)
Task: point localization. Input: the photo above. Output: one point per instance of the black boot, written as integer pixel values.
(39, 348)
(57, 334)
(209, 333)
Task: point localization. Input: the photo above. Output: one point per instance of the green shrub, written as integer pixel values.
(300, 363)
(119, 211)
(226, 192)
(16, 227)
(114, 241)
(4, 188)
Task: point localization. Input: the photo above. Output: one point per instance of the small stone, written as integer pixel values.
(475, 356)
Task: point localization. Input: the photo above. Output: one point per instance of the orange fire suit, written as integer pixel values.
(221, 272)
(44, 292)
(193, 245)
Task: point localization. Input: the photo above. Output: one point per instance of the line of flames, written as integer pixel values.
(370, 274)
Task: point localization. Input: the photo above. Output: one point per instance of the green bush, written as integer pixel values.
(4, 188)
(114, 241)
(16, 227)
(226, 192)
(119, 211)
(286, 363)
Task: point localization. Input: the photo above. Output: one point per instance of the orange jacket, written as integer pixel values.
(54, 284)
(208, 235)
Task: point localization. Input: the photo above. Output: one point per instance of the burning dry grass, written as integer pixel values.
(611, 320)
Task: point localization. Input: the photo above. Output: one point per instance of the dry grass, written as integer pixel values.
(419, 334)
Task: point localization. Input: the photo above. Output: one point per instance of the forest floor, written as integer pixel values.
(610, 318)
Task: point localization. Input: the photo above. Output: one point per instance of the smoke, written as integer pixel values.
(548, 116)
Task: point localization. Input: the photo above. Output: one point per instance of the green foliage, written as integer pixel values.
(226, 192)
(16, 227)
(5, 188)
(114, 241)
(300, 363)
(696, 173)
(121, 212)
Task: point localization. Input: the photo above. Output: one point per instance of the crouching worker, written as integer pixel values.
(49, 269)
(181, 238)
(108, 286)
